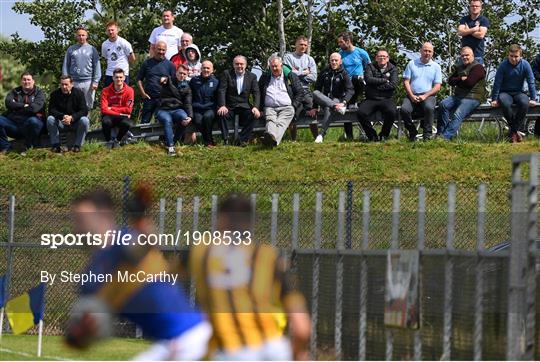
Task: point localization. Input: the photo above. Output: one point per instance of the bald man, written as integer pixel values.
(333, 90)
(152, 74)
(180, 57)
(204, 101)
(422, 80)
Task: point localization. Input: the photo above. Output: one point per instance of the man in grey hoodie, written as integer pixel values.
(82, 64)
(193, 56)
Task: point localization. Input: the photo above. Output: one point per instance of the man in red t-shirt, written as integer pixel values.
(116, 107)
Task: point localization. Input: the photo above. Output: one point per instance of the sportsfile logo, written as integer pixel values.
(124, 238)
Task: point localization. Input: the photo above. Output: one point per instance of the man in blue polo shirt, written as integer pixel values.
(508, 90)
(422, 80)
(354, 61)
(473, 29)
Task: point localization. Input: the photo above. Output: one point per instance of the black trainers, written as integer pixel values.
(269, 140)
(56, 149)
(412, 135)
(76, 149)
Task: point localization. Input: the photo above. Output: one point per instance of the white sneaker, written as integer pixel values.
(319, 139)
(171, 151)
(342, 110)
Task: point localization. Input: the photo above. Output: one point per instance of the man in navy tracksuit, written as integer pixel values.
(204, 92)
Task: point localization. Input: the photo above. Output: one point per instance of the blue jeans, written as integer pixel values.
(54, 126)
(29, 129)
(171, 119)
(514, 116)
(452, 111)
(149, 107)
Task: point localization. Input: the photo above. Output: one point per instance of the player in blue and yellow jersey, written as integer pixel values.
(157, 306)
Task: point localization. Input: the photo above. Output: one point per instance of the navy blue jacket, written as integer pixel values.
(204, 92)
(536, 68)
(509, 79)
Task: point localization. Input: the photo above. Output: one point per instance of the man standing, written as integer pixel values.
(332, 91)
(381, 81)
(422, 79)
(67, 111)
(354, 61)
(116, 107)
(167, 32)
(473, 29)
(235, 88)
(153, 72)
(180, 57)
(281, 94)
(204, 97)
(24, 116)
(508, 90)
(82, 64)
(469, 80)
(117, 51)
(304, 66)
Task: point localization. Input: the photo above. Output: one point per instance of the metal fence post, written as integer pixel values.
(421, 230)
(125, 200)
(362, 346)
(348, 235)
(449, 275)
(316, 271)
(396, 195)
(479, 271)
(339, 278)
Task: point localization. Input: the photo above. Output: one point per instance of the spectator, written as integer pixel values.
(180, 57)
(193, 61)
(117, 51)
(469, 80)
(508, 90)
(304, 66)
(236, 86)
(536, 70)
(174, 109)
(281, 94)
(82, 64)
(24, 115)
(381, 81)
(168, 33)
(333, 90)
(204, 96)
(354, 61)
(473, 29)
(67, 111)
(116, 107)
(152, 72)
(422, 79)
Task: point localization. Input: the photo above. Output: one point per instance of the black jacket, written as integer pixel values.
(228, 94)
(536, 68)
(204, 92)
(380, 85)
(335, 84)
(172, 97)
(292, 83)
(16, 101)
(72, 104)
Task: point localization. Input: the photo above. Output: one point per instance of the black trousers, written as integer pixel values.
(245, 122)
(203, 122)
(367, 110)
(108, 122)
(358, 84)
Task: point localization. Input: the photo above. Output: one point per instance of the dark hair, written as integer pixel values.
(118, 71)
(81, 27)
(140, 202)
(27, 73)
(302, 37)
(239, 207)
(347, 36)
(66, 76)
(515, 48)
(183, 66)
(100, 198)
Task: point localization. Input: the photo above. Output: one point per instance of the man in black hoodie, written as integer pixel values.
(333, 90)
(24, 116)
(381, 80)
(67, 111)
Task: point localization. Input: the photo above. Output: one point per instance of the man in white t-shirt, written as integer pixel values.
(167, 32)
(118, 52)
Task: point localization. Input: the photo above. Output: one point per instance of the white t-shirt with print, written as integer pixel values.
(117, 54)
(170, 36)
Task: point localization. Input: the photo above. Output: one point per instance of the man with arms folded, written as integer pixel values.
(235, 88)
(473, 29)
(381, 81)
(116, 107)
(81, 62)
(508, 90)
(204, 95)
(333, 90)
(167, 32)
(117, 51)
(281, 94)
(24, 115)
(469, 80)
(304, 66)
(422, 79)
(67, 111)
(152, 72)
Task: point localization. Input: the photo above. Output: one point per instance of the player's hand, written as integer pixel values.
(495, 104)
(256, 112)
(532, 103)
(312, 112)
(94, 86)
(222, 111)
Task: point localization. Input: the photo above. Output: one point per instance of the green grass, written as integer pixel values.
(24, 347)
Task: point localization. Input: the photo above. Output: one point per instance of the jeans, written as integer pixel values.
(427, 107)
(171, 119)
(367, 109)
(148, 109)
(203, 122)
(123, 124)
(328, 105)
(452, 111)
(29, 130)
(54, 126)
(516, 116)
(278, 120)
(108, 80)
(245, 121)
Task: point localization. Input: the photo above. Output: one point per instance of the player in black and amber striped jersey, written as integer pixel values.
(245, 289)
